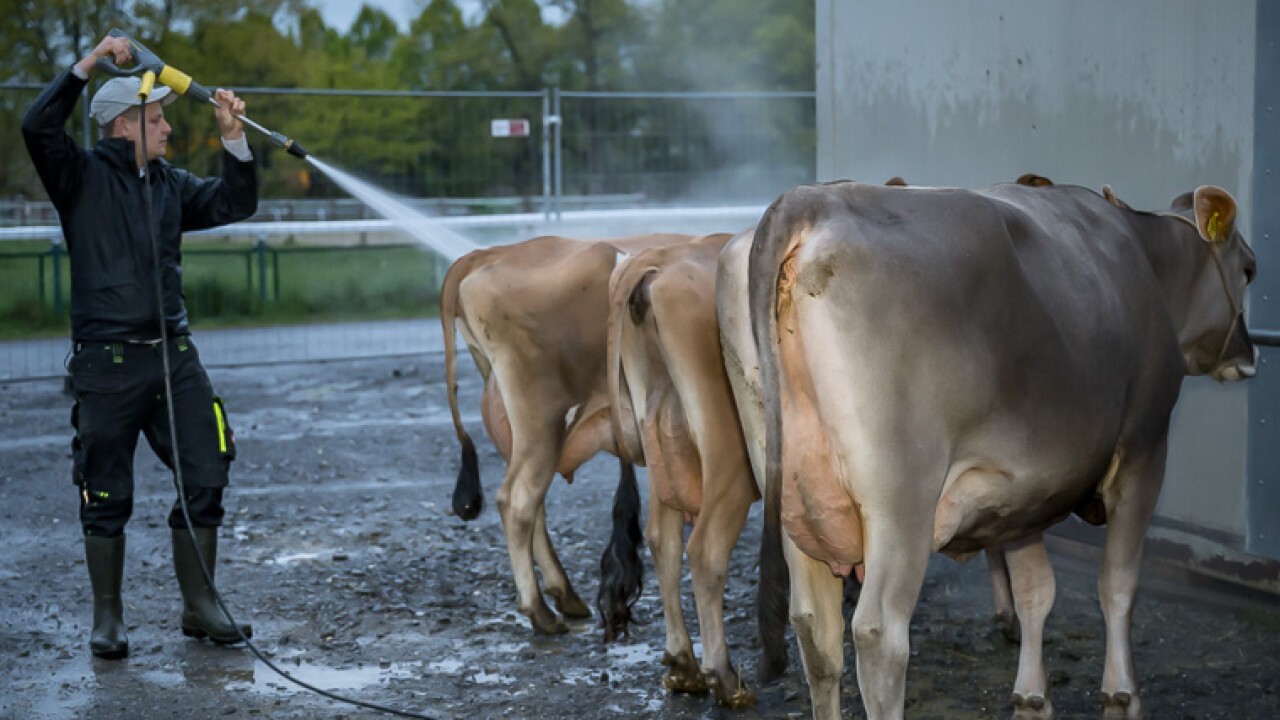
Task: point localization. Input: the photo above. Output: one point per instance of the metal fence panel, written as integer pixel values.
(438, 148)
(686, 147)
(614, 153)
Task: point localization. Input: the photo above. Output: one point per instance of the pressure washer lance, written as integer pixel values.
(151, 68)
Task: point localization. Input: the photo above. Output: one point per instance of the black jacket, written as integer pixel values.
(100, 202)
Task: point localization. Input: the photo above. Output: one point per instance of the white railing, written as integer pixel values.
(32, 359)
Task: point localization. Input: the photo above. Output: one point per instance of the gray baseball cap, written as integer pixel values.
(121, 93)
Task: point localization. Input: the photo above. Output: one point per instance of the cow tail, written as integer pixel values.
(468, 494)
(628, 298)
(621, 569)
(773, 597)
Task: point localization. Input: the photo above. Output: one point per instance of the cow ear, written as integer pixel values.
(1110, 195)
(1035, 180)
(1215, 213)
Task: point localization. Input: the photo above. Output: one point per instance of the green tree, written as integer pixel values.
(441, 52)
(374, 34)
(526, 43)
(600, 37)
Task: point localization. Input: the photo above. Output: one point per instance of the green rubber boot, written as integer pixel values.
(105, 559)
(201, 615)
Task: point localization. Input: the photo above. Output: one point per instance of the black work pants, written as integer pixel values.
(119, 393)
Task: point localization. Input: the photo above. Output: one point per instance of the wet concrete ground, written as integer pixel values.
(339, 546)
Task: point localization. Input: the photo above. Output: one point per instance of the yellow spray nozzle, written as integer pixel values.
(146, 84)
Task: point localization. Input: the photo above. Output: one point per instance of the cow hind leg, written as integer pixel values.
(665, 535)
(714, 535)
(1128, 515)
(554, 579)
(1117, 585)
(1005, 619)
(817, 599)
(520, 504)
(897, 553)
(1033, 591)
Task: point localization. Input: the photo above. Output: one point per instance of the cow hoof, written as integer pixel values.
(683, 674)
(740, 698)
(569, 604)
(1007, 623)
(1032, 707)
(1120, 705)
(547, 622)
(555, 627)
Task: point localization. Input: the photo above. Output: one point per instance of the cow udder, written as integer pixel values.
(818, 512)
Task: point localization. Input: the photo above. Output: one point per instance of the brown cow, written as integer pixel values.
(673, 411)
(534, 317)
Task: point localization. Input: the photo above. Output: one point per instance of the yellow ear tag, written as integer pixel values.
(1213, 227)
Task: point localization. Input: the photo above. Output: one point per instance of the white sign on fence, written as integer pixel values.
(509, 127)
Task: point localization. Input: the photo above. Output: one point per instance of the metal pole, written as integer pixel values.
(275, 274)
(1269, 338)
(559, 156)
(261, 249)
(55, 253)
(546, 154)
(1262, 487)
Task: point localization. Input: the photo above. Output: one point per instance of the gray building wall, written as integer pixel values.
(1153, 97)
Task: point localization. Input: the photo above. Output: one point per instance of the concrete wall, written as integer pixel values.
(1154, 97)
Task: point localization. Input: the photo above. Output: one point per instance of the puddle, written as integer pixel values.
(446, 666)
(580, 676)
(265, 680)
(510, 648)
(163, 677)
(63, 693)
(632, 655)
(494, 678)
(507, 618)
(286, 559)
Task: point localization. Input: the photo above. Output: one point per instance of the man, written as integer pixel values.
(112, 235)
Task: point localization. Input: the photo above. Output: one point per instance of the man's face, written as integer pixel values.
(157, 130)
